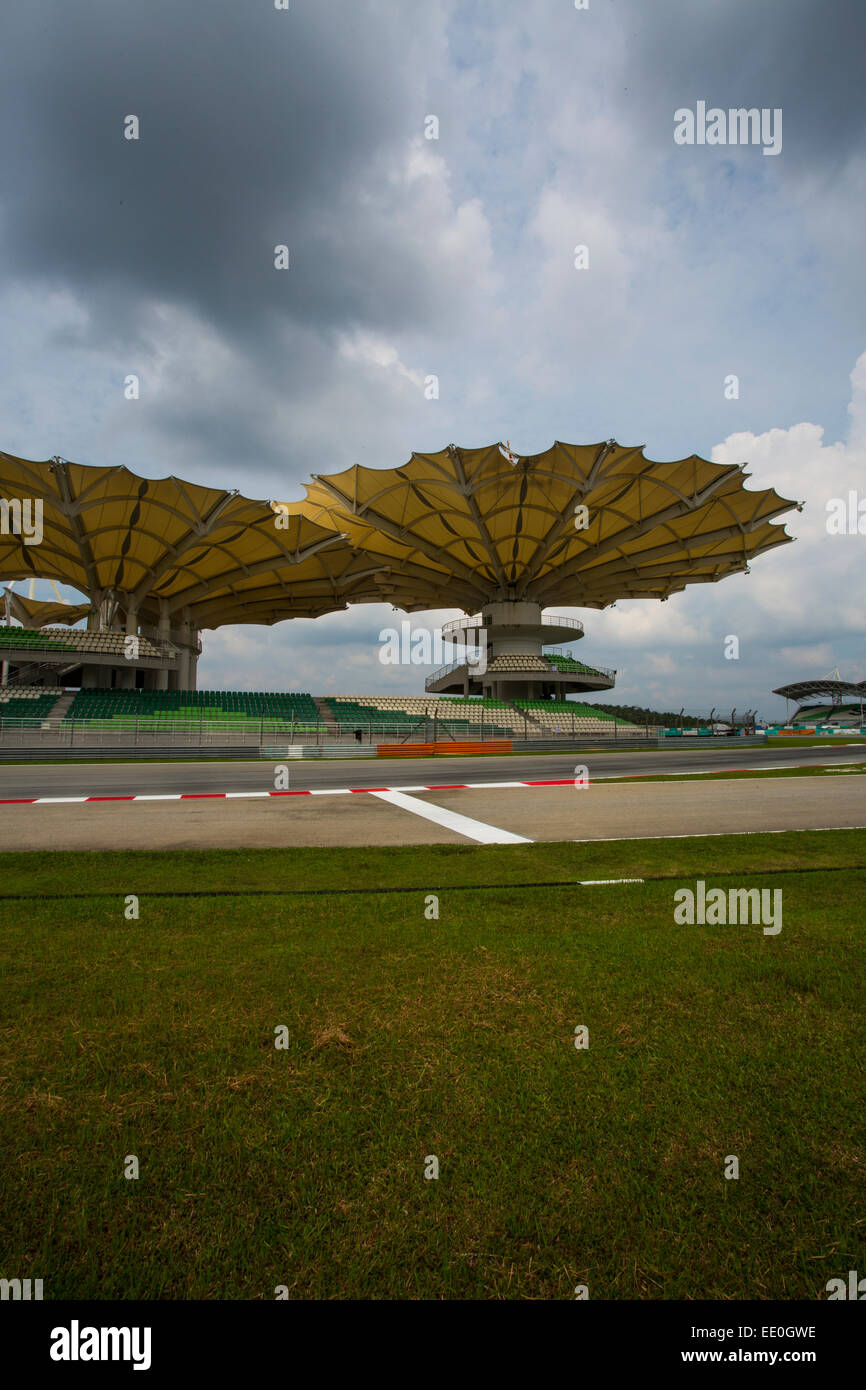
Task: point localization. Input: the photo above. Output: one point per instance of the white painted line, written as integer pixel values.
(330, 791)
(425, 788)
(475, 830)
(692, 772)
(236, 795)
(710, 771)
(168, 796)
(495, 784)
(716, 834)
(637, 777)
(591, 882)
(775, 767)
(58, 800)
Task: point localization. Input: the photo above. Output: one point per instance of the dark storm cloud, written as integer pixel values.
(257, 127)
(801, 55)
(260, 127)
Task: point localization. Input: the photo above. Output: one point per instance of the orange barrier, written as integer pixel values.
(432, 750)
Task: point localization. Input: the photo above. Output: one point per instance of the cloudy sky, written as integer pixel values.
(452, 256)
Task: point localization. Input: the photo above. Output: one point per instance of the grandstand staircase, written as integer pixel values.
(60, 708)
(532, 723)
(37, 672)
(326, 716)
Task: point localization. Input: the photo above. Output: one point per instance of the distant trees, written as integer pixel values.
(637, 714)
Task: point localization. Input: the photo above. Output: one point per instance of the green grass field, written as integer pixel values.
(813, 740)
(824, 770)
(410, 1037)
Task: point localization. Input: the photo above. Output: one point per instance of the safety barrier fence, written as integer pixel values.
(38, 733)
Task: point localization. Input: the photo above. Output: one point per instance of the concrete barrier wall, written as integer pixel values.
(46, 753)
(711, 740)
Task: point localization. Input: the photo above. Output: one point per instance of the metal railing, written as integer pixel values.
(607, 671)
(551, 620)
(477, 622)
(32, 734)
(445, 670)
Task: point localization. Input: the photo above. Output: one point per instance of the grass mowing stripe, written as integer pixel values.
(409, 888)
(63, 872)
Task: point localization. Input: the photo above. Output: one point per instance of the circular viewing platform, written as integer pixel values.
(544, 629)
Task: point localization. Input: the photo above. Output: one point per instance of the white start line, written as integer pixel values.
(479, 831)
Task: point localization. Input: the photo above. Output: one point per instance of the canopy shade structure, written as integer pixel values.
(459, 528)
(36, 613)
(321, 578)
(481, 530)
(150, 546)
(475, 526)
(504, 537)
(150, 554)
(835, 690)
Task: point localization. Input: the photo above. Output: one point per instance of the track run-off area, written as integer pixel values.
(488, 800)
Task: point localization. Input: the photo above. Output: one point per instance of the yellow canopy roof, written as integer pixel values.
(108, 532)
(34, 612)
(481, 524)
(454, 529)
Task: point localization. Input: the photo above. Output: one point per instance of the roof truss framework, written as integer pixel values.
(507, 529)
(836, 690)
(455, 529)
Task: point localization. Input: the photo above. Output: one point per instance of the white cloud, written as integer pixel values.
(372, 351)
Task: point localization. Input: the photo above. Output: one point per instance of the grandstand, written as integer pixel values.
(409, 712)
(518, 663)
(28, 703)
(841, 716)
(560, 661)
(469, 714)
(559, 716)
(829, 701)
(79, 657)
(339, 717)
(169, 710)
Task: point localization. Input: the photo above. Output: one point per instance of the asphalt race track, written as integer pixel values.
(135, 779)
(424, 801)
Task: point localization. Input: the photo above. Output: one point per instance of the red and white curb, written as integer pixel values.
(440, 787)
(235, 796)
